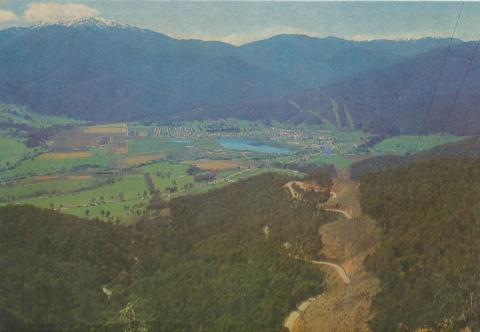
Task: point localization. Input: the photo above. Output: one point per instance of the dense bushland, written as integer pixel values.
(428, 261)
(227, 260)
(54, 266)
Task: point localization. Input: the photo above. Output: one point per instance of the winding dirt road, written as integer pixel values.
(345, 213)
(345, 305)
(340, 271)
(296, 314)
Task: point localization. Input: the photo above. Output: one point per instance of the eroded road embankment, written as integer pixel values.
(345, 304)
(340, 271)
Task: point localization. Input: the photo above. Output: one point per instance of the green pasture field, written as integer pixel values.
(12, 149)
(153, 145)
(47, 187)
(164, 148)
(168, 175)
(341, 161)
(406, 143)
(179, 177)
(342, 136)
(161, 148)
(38, 166)
(125, 212)
(127, 190)
(128, 196)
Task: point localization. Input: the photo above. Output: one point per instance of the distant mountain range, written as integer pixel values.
(389, 100)
(104, 71)
(397, 97)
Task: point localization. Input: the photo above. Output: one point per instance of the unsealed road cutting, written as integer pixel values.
(343, 306)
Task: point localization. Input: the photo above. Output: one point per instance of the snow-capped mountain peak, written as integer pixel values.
(98, 22)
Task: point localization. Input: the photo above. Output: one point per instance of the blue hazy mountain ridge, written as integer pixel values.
(107, 72)
(319, 61)
(399, 95)
(389, 100)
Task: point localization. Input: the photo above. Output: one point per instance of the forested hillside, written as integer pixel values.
(232, 267)
(224, 261)
(428, 260)
(386, 100)
(395, 99)
(100, 70)
(54, 267)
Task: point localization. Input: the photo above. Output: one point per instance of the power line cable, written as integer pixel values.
(472, 144)
(437, 83)
(452, 108)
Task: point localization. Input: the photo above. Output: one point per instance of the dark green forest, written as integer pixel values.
(53, 268)
(226, 260)
(428, 260)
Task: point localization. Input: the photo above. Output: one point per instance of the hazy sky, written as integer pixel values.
(240, 22)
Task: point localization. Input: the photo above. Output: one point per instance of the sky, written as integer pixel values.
(242, 22)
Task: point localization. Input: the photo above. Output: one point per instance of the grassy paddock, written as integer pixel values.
(54, 185)
(340, 161)
(168, 174)
(12, 149)
(99, 159)
(128, 190)
(406, 143)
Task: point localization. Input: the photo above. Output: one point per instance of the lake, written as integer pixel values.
(250, 145)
